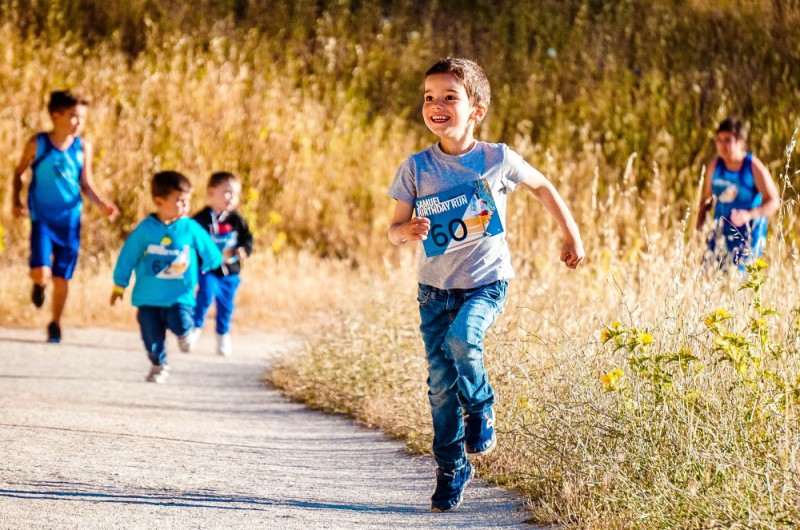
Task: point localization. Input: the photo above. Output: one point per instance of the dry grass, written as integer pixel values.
(317, 119)
(292, 292)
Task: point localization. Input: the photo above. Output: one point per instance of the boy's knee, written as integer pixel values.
(41, 275)
(460, 345)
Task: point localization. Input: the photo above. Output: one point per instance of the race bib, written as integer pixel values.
(460, 217)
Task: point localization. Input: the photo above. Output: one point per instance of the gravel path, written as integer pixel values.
(86, 443)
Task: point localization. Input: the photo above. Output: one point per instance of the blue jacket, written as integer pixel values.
(164, 259)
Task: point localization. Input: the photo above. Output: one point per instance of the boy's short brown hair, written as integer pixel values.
(733, 126)
(221, 177)
(61, 100)
(165, 182)
(471, 76)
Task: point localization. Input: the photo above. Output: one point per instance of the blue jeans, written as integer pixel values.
(219, 288)
(154, 323)
(454, 322)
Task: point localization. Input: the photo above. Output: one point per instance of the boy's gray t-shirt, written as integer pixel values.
(433, 171)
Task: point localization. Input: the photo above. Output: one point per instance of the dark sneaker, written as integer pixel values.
(37, 295)
(450, 486)
(53, 332)
(479, 438)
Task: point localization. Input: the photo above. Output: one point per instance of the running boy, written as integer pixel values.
(465, 270)
(743, 195)
(61, 167)
(161, 250)
(229, 231)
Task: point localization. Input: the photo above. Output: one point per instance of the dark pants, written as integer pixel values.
(154, 323)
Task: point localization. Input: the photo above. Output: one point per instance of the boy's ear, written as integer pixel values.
(479, 112)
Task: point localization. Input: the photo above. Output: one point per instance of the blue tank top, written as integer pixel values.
(736, 190)
(54, 195)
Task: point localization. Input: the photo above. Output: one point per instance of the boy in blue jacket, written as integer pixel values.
(163, 251)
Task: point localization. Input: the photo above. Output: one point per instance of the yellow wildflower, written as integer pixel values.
(616, 324)
(721, 313)
(645, 338)
(279, 242)
(611, 379)
(605, 334)
(274, 217)
(760, 264)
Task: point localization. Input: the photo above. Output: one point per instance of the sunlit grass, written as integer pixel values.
(675, 426)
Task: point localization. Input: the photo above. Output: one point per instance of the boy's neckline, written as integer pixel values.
(66, 145)
(471, 150)
(739, 164)
(168, 222)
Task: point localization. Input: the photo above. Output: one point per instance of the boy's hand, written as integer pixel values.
(740, 217)
(19, 210)
(241, 253)
(111, 210)
(572, 253)
(116, 294)
(416, 229)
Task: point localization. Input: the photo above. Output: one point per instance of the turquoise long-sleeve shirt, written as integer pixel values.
(164, 259)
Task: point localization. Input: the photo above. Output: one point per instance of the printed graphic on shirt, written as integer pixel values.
(460, 217)
(227, 239)
(725, 191)
(168, 263)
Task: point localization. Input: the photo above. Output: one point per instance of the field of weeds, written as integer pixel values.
(635, 392)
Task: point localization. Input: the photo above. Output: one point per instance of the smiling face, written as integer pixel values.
(224, 196)
(68, 122)
(173, 206)
(448, 112)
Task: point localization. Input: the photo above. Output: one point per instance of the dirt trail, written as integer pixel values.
(86, 443)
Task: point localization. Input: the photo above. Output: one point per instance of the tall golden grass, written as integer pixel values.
(315, 107)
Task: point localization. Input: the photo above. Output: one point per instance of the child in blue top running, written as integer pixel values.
(163, 252)
(452, 197)
(61, 168)
(230, 232)
(743, 195)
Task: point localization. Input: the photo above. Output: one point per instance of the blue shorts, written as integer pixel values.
(55, 247)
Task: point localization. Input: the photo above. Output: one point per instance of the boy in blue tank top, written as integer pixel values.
(163, 252)
(61, 168)
(743, 195)
(452, 198)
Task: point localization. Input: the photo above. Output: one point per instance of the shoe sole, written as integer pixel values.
(460, 499)
(485, 452)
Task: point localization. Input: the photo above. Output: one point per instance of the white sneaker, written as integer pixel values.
(158, 373)
(188, 341)
(224, 346)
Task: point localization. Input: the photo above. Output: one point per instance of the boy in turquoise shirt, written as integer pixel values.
(162, 251)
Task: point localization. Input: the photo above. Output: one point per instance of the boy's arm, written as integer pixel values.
(572, 253)
(88, 187)
(28, 155)
(126, 262)
(770, 202)
(405, 227)
(245, 239)
(705, 194)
